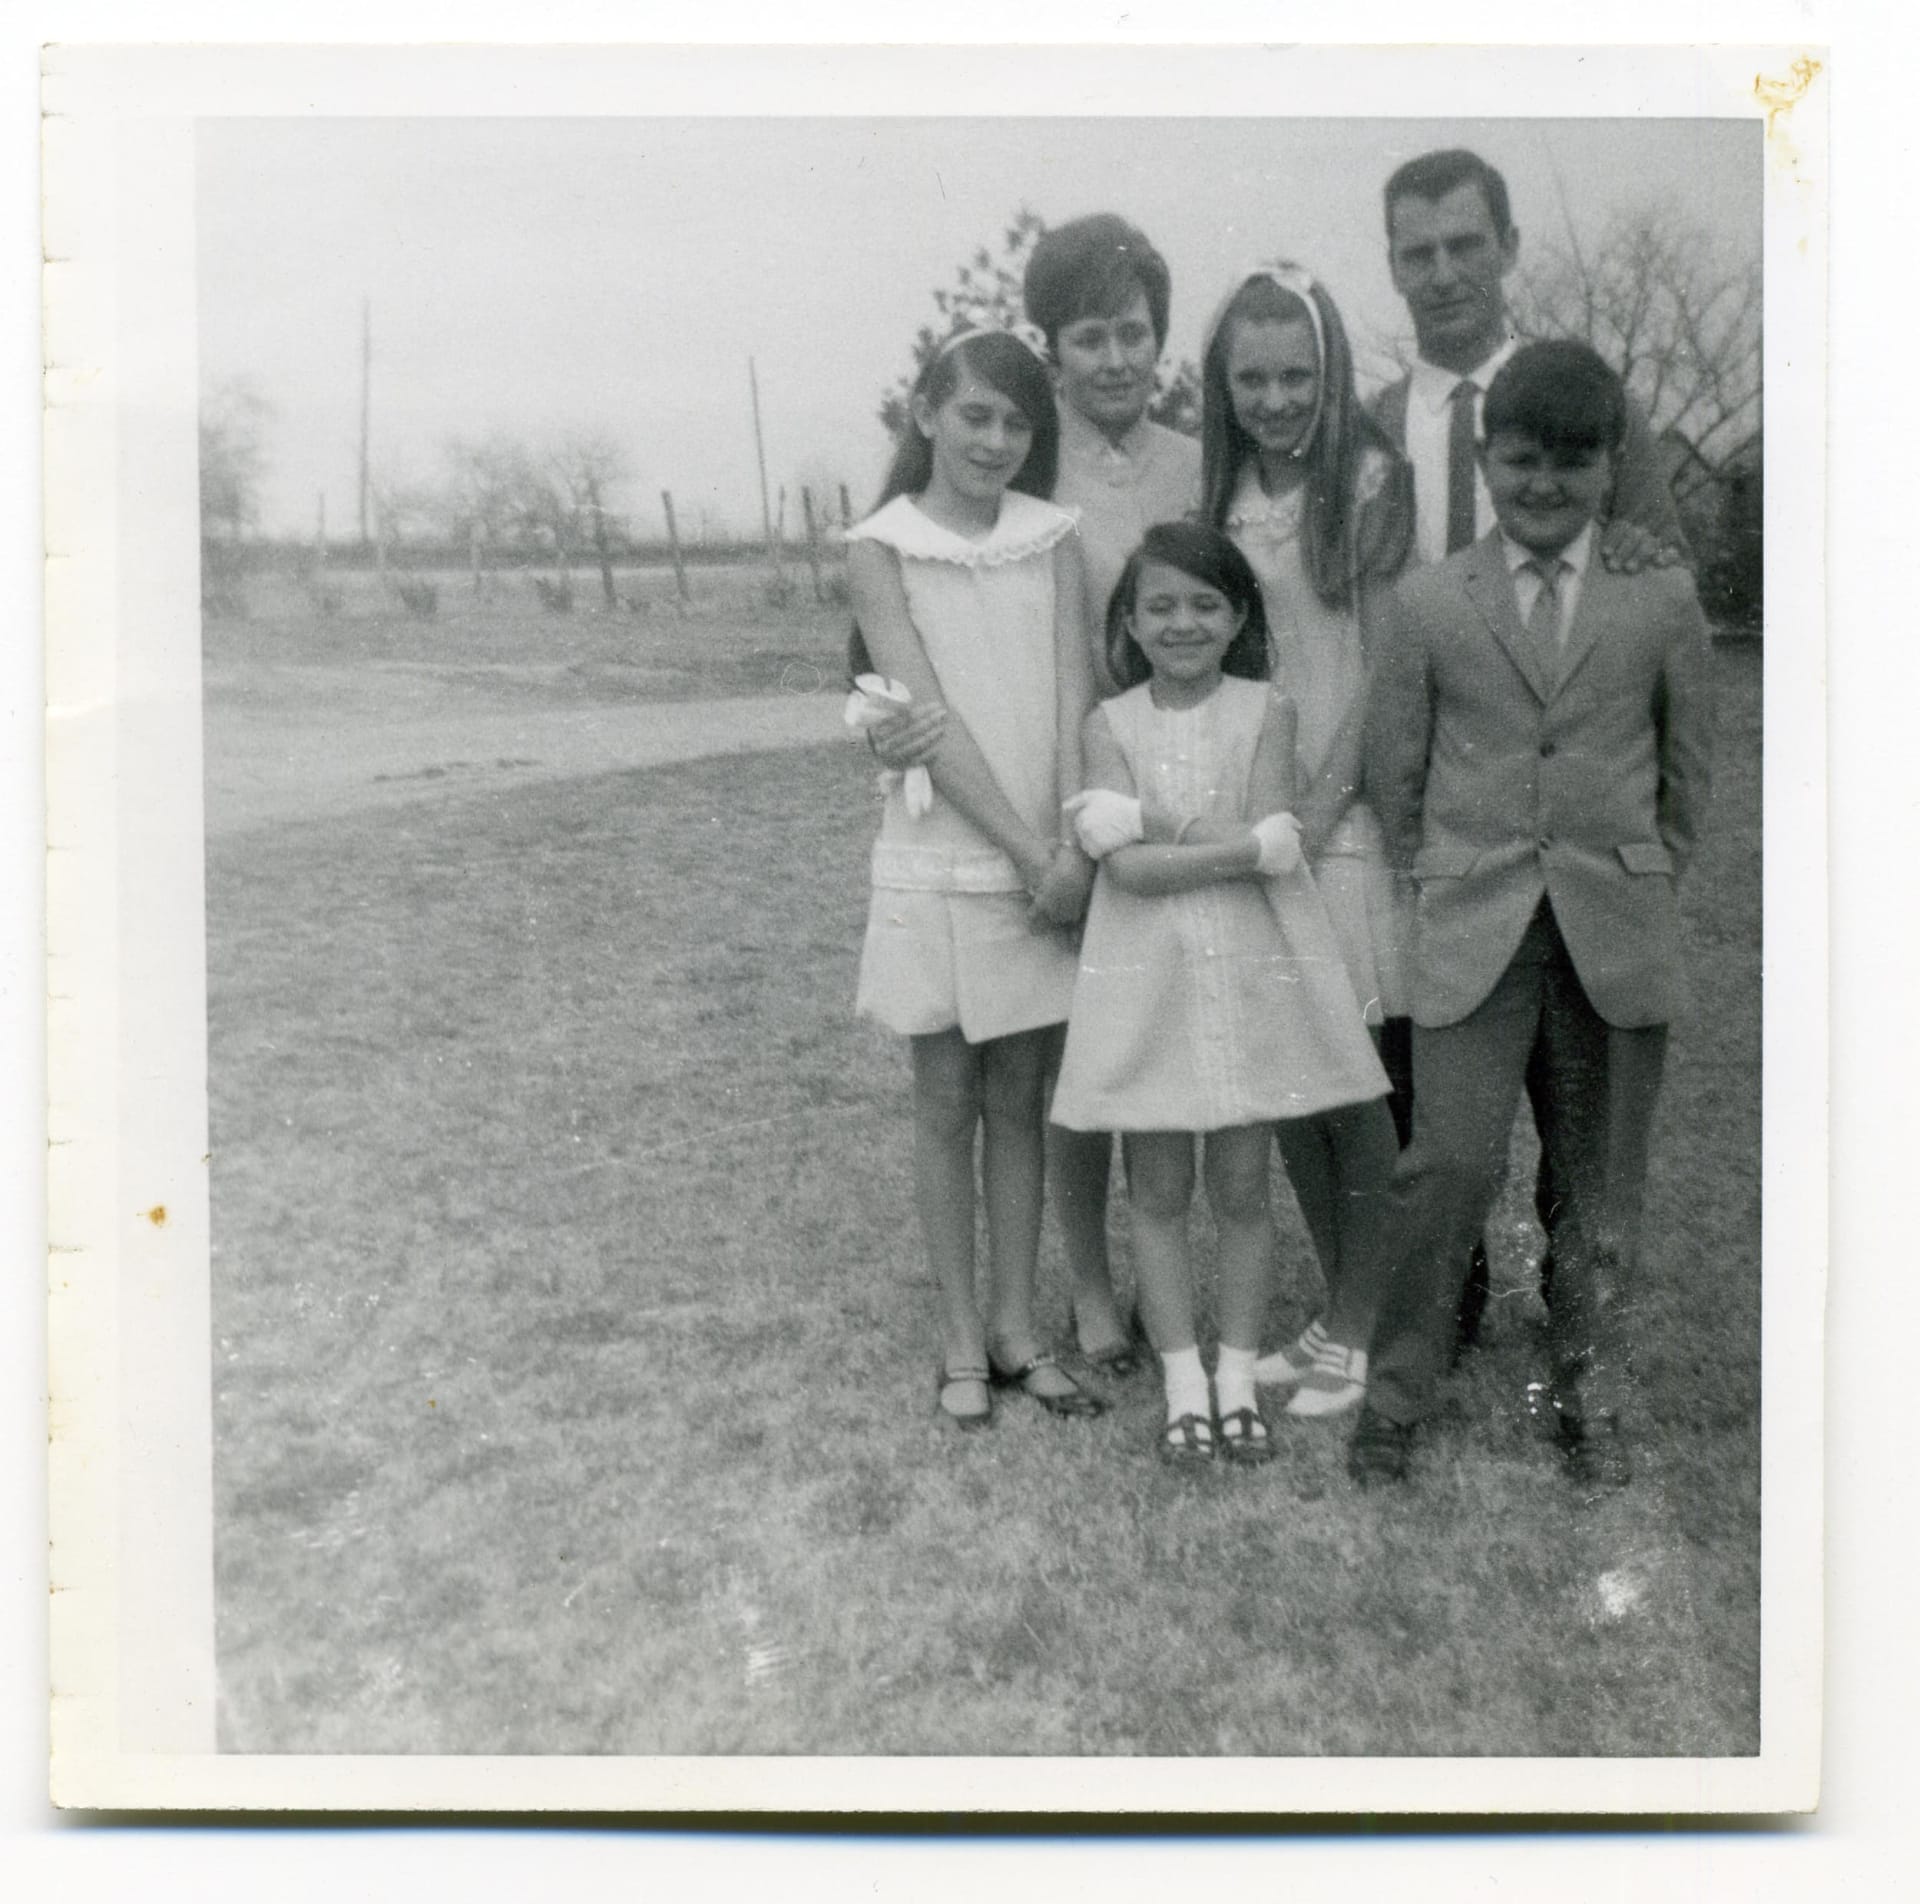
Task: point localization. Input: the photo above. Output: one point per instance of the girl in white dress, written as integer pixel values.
(1313, 494)
(966, 587)
(1211, 997)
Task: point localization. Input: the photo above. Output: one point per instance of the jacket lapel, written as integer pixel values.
(1491, 589)
(1596, 592)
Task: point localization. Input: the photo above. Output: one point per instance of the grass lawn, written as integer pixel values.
(573, 1358)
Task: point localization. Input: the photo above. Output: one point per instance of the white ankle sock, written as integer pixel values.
(1233, 1378)
(1186, 1384)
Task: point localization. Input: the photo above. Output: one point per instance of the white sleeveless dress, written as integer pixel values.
(948, 942)
(1225, 1005)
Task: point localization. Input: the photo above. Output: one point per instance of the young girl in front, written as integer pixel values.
(1211, 999)
(1315, 497)
(966, 588)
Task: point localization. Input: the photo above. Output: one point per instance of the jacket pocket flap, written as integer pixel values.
(1645, 856)
(1444, 862)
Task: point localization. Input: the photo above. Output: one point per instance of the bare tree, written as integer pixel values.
(554, 498)
(233, 462)
(234, 418)
(1656, 297)
(1664, 305)
(584, 469)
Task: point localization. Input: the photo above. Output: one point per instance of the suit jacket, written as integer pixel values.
(1641, 492)
(1496, 786)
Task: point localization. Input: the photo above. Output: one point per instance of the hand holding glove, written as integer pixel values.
(1105, 821)
(1279, 837)
(876, 700)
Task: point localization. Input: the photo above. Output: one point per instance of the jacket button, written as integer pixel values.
(1546, 750)
(1544, 842)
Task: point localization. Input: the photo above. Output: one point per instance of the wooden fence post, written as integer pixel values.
(673, 541)
(813, 545)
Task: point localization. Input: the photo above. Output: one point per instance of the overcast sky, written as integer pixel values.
(539, 276)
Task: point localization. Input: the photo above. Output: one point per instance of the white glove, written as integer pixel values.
(874, 699)
(1279, 837)
(1105, 820)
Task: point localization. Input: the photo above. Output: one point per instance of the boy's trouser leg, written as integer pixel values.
(1467, 1083)
(1547, 1193)
(1602, 1083)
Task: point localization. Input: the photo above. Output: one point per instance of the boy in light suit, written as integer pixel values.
(1537, 751)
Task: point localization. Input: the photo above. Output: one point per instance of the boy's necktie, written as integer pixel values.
(1543, 619)
(1460, 515)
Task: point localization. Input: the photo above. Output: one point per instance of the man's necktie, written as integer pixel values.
(1460, 467)
(1543, 620)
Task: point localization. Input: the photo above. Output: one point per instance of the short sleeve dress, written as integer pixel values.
(1317, 659)
(948, 941)
(1225, 1005)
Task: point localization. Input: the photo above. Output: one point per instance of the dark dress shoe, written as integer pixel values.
(1380, 1451)
(1473, 1302)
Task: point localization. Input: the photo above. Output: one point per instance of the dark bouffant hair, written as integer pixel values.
(1434, 174)
(1092, 267)
(1208, 556)
(1565, 394)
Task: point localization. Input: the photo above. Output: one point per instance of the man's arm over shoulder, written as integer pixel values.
(1684, 711)
(1641, 492)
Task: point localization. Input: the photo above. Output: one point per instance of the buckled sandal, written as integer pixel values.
(1186, 1442)
(1244, 1437)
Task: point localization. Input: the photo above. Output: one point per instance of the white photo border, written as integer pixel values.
(131, 1504)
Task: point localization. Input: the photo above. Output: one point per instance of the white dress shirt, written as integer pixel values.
(1429, 418)
(1526, 578)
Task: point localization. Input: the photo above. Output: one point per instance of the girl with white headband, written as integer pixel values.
(1316, 498)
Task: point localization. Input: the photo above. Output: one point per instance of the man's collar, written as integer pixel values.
(1576, 555)
(1088, 439)
(1435, 386)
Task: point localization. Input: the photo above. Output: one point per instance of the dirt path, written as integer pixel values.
(281, 762)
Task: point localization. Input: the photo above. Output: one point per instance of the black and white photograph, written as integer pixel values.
(1296, 589)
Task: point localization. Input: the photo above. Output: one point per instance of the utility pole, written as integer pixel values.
(366, 404)
(760, 451)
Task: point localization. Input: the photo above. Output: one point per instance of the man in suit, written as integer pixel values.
(1537, 752)
(1451, 246)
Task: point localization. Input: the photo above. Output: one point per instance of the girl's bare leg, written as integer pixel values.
(1078, 1166)
(1159, 1193)
(1013, 1076)
(946, 1113)
(1236, 1169)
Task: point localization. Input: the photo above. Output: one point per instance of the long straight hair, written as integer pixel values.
(1208, 556)
(1340, 542)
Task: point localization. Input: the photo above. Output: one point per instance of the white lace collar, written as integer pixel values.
(1026, 526)
(1252, 507)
